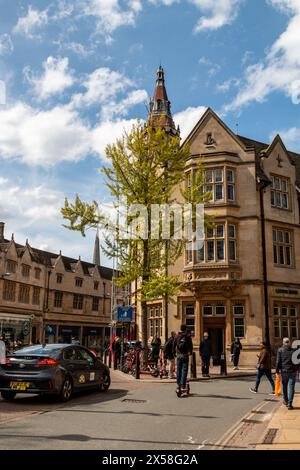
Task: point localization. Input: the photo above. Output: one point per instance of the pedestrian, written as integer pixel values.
(169, 354)
(155, 350)
(2, 350)
(288, 370)
(264, 367)
(236, 348)
(116, 348)
(205, 351)
(184, 348)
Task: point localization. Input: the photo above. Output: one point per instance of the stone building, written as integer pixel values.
(50, 297)
(246, 277)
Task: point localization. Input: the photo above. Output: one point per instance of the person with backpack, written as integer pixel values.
(205, 351)
(183, 348)
(169, 354)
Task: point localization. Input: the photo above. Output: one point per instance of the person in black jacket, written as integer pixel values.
(288, 370)
(184, 347)
(155, 350)
(116, 348)
(205, 351)
(169, 354)
(236, 348)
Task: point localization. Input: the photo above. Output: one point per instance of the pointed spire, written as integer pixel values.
(96, 257)
(160, 106)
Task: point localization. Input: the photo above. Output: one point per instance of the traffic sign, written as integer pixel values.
(125, 314)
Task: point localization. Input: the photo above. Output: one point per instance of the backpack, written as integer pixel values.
(182, 344)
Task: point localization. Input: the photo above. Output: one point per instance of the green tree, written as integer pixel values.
(146, 165)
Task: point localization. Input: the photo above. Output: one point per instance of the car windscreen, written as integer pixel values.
(37, 351)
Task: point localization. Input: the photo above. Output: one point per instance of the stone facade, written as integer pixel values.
(225, 281)
(50, 297)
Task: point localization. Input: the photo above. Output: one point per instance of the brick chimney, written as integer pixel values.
(2, 224)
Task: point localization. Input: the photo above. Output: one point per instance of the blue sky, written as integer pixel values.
(75, 74)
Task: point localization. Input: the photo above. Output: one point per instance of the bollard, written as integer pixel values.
(137, 365)
(193, 366)
(223, 365)
(109, 359)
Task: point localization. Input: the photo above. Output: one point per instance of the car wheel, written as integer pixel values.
(8, 396)
(106, 382)
(66, 390)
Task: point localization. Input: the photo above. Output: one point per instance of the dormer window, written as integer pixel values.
(11, 266)
(25, 270)
(59, 278)
(78, 282)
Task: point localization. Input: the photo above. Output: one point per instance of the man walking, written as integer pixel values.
(288, 370)
(169, 354)
(205, 351)
(184, 347)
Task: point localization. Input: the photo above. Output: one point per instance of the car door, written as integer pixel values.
(70, 364)
(92, 367)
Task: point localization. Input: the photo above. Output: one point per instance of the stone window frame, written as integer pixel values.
(9, 291)
(155, 320)
(11, 266)
(189, 318)
(226, 244)
(280, 191)
(78, 282)
(276, 242)
(36, 295)
(58, 299)
(283, 322)
(77, 301)
(24, 294)
(213, 182)
(238, 316)
(25, 270)
(95, 304)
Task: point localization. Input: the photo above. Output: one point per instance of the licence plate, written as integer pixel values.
(21, 386)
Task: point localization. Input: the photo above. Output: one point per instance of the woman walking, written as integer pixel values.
(264, 368)
(236, 348)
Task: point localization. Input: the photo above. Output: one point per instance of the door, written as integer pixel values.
(76, 367)
(217, 342)
(91, 368)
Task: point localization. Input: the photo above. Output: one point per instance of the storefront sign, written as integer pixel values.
(124, 314)
(69, 330)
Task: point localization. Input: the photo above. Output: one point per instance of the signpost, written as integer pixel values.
(124, 316)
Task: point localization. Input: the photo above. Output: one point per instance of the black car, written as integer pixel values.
(52, 369)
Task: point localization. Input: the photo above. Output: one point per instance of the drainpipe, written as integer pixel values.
(262, 186)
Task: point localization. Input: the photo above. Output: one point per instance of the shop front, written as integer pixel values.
(93, 337)
(66, 333)
(15, 329)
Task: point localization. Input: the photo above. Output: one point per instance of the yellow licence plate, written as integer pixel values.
(22, 386)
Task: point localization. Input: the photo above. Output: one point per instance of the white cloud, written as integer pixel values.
(111, 110)
(42, 137)
(280, 70)
(6, 44)
(108, 131)
(110, 15)
(55, 79)
(33, 20)
(102, 85)
(217, 13)
(188, 118)
(290, 137)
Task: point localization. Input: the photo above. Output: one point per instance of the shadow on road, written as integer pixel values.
(226, 397)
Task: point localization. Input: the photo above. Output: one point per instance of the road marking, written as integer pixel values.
(202, 445)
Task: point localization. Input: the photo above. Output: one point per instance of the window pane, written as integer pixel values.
(230, 176)
(273, 183)
(294, 329)
(220, 310)
(239, 327)
(278, 199)
(276, 329)
(220, 249)
(287, 237)
(293, 311)
(275, 254)
(279, 236)
(209, 232)
(232, 250)
(284, 311)
(210, 250)
(200, 255)
(276, 311)
(288, 255)
(230, 192)
(277, 183)
(284, 201)
(207, 310)
(281, 255)
(285, 328)
(220, 231)
(238, 310)
(208, 178)
(274, 236)
(272, 198)
(284, 185)
(218, 175)
(218, 192)
(231, 231)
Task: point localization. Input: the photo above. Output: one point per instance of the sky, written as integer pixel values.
(75, 74)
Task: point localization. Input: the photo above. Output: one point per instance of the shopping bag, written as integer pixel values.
(277, 385)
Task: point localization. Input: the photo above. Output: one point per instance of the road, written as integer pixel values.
(134, 415)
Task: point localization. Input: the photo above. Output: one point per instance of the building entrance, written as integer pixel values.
(217, 342)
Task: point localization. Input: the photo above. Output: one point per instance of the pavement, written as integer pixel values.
(283, 431)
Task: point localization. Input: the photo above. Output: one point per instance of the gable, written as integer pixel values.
(12, 251)
(211, 136)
